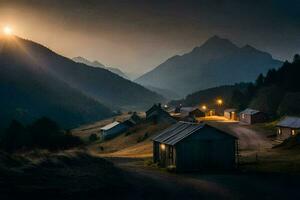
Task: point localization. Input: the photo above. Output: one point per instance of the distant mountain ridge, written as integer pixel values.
(96, 63)
(217, 62)
(35, 81)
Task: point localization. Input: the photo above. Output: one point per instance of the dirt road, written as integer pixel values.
(153, 183)
(249, 139)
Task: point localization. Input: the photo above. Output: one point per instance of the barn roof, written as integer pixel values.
(178, 132)
(230, 110)
(290, 122)
(188, 109)
(109, 126)
(249, 111)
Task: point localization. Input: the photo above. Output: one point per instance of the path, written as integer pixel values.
(165, 185)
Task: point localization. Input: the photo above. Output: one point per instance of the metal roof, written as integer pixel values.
(109, 126)
(179, 131)
(230, 110)
(249, 111)
(187, 109)
(290, 122)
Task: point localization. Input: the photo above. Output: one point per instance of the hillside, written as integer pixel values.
(209, 96)
(208, 66)
(28, 92)
(97, 83)
(96, 63)
(277, 93)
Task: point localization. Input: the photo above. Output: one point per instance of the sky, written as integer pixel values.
(138, 35)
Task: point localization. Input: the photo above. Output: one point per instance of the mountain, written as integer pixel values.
(168, 94)
(96, 63)
(36, 81)
(28, 92)
(277, 93)
(217, 62)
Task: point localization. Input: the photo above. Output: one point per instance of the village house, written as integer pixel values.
(133, 120)
(287, 127)
(190, 146)
(112, 129)
(251, 116)
(157, 114)
(230, 114)
(210, 112)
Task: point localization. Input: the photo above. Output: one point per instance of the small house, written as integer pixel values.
(230, 114)
(251, 116)
(190, 146)
(157, 114)
(191, 112)
(287, 127)
(113, 129)
(210, 112)
(133, 120)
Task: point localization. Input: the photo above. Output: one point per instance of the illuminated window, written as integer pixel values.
(293, 132)
(243, 115)
(163, 147)
(279, 131)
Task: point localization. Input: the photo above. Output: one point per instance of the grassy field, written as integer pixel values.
(134, 143)
(63, 175)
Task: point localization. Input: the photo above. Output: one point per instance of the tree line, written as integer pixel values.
(43, 133)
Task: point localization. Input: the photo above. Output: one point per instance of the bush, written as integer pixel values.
(93, 137)
(141, 139)
(43, 133)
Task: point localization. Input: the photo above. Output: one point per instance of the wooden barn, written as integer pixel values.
(159, 115)
(191, 112)
(133, 120)
(112, 129)
(230, 114)
(287, 127)
(192, 147)
(251, 116)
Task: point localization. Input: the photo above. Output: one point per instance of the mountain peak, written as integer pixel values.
(216, 41)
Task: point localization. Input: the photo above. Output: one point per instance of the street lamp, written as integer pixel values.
(219, 102)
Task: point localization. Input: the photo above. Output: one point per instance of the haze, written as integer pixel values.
(139, 35)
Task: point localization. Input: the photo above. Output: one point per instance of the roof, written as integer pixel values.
(291, 122)
(153, 108)
(178, 132)
(230, 110)
(249, 111)
(109, 126)
(187, 109)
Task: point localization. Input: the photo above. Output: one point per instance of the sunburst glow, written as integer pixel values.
(7, 30)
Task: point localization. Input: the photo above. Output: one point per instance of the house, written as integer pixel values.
(251, 116)
(210, 112)
(289, 126)
(230, 114)
(191, 146)
(133, 120)
(191, 112)
(112, 129)
(157, 114)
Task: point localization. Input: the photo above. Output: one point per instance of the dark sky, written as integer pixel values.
(139, 35)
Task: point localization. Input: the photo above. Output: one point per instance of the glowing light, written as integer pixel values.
(293, 132)
(219, 101)
(204, 107)
(163, 147)
(7, 30)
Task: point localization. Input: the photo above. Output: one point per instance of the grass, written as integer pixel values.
(136, 142)
(63, 175)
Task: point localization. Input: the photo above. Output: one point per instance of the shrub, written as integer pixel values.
(93, 137)
(141, 139)
(43, 133)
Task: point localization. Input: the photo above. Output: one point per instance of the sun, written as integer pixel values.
(7, 30)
